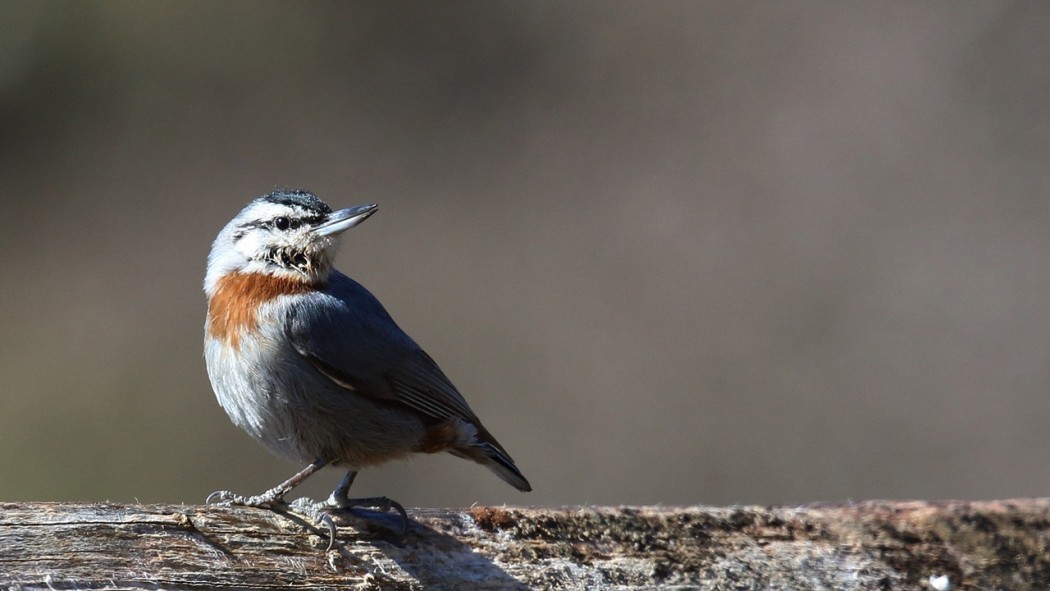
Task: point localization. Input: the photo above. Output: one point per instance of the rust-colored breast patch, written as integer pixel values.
(232, 309)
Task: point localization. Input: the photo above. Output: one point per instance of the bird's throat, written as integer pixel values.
(233, 306)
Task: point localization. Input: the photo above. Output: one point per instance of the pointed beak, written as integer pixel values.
(344, 219)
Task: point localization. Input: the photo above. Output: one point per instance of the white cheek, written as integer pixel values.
(248, 245)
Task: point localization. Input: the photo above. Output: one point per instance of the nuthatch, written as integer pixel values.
(311, 365)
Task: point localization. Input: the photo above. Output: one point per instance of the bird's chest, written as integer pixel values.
(251, 380)
(254, 370)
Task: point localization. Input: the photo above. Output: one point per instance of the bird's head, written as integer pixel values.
(289, 234)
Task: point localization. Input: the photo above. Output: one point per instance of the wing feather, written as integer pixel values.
(347, 335)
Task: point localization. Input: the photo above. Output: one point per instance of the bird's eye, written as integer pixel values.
(282, 223)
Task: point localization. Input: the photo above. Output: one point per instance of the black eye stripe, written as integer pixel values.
(280, 223)
(250, 225)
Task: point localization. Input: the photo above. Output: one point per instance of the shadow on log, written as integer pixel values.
(860, 546)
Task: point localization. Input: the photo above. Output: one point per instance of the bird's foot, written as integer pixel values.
(383, 504)
(271, 499)
(318, 513)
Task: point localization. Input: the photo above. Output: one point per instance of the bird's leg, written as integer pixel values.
(340, 494)
(340, 499)
(272, 498)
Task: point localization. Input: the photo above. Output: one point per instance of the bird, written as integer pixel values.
(310, 364)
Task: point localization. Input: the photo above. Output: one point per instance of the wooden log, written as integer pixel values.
(868, 545)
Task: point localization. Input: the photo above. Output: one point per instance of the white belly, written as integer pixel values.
(253, 394)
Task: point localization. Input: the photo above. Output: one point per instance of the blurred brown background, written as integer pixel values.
(672, 252)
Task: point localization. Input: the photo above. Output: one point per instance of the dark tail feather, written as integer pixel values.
(489, 453)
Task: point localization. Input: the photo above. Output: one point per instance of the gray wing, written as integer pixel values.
(347, 335)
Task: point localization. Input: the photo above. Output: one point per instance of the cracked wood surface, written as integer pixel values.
(867, 545)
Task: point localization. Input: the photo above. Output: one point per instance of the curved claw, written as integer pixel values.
(318, 513)
(332, 530)
(388, 504)
(221, 497)
(382, 504)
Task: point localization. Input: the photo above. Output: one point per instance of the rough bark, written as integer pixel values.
(869, 545)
